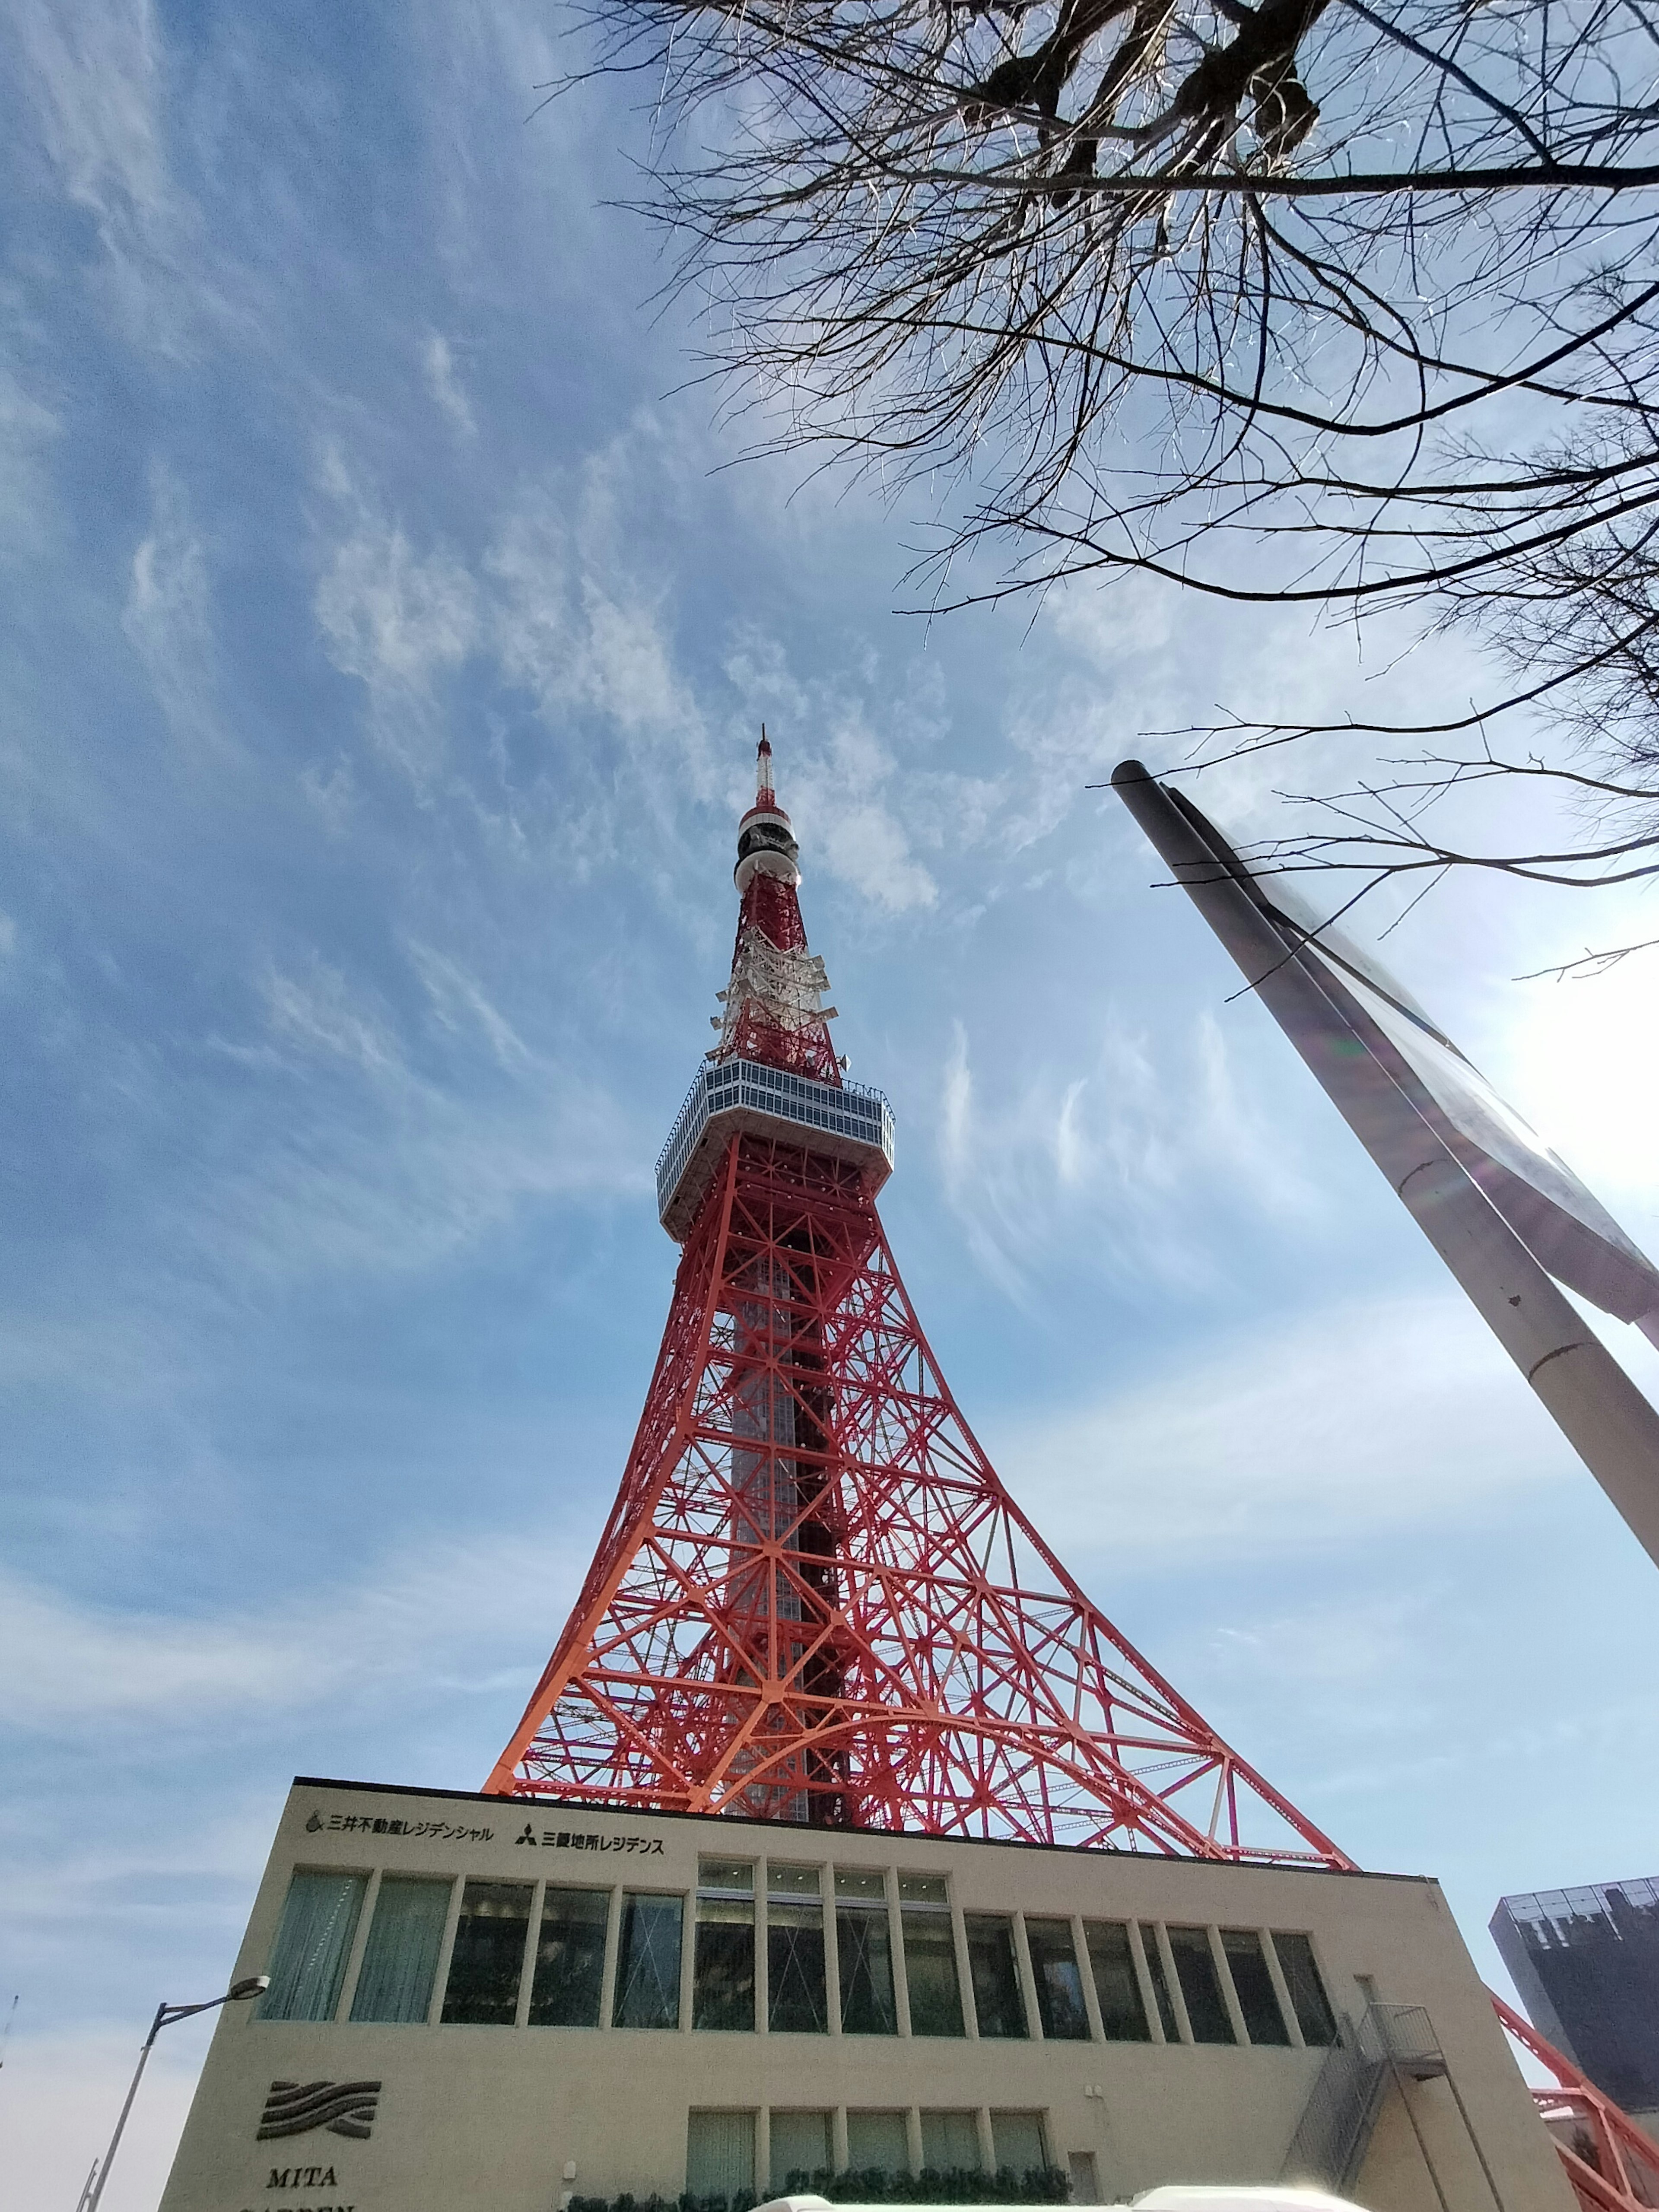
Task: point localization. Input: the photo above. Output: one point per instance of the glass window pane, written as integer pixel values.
(1117, 1989)
(864, 1953)
(861, 1881)
(569, 1976)
(1314, 2015)
(1153, 1952)
(1252, 1985)
(401, 1956)
(720, 2149)
(930, 1968)
(792, 1882)
(487, 1962)
(648, 1965)
(308, 1962)
(794, 1967)
(1194, 1965)
(1059, 1984)
(878, 2143)
(723, 1971)
(998, 2005)
(1018, 2140)
(800, 2150)
(950, 2143)
(922, 1889)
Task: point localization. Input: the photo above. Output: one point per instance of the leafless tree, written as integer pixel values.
(1352, 303)
(1575, 624)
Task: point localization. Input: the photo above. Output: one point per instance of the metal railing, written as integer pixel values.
(1335, 2127)
(1404, 2035)
(1334, 2130)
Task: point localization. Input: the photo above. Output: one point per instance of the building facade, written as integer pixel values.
(1586, 1963)
(483, 2003)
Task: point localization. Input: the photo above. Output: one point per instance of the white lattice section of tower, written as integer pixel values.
(785, 989)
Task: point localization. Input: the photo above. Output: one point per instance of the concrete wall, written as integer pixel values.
(493, 2117)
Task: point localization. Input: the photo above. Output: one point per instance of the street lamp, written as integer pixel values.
(254, 1986)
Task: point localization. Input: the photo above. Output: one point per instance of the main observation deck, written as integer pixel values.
(737, 1096)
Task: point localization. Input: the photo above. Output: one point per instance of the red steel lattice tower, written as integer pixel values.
(814, 1600)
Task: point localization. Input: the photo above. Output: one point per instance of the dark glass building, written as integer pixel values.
(1586, 1962)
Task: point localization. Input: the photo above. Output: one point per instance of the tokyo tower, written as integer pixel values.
(814, 1600)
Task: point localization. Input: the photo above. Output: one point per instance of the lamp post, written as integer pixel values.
(254, 1986)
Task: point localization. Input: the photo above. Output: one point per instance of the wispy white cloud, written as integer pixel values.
(572, 622)
(333, 793)
(28, 430)
(407, 1164)
(168, 618)
(454, 1616)
(455, 994)
(398, 619)
(1156, 1138)
(1297, 1435)
(94, 79)
(438, 363)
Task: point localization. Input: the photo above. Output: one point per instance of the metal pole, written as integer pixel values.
(1600, 1411)
(137, 2076)
(254, 1986)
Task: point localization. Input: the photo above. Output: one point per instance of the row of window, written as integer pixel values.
(722, 2153)
(850, 1110)
(548, 1955)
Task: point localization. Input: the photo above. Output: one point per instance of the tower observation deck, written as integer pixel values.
(813, 1601)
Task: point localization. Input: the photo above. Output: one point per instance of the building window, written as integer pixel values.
(930, 1955)
(723, 1973)
(1117, 1987)
(720, 2150)
(320, 1918)
(999, 2006)
(400, 1959)
(1153, 1952)
(1201, 1985)
(1060, 2007)
(950, 2143)
(648, 1968)
(487, 1962)
(1017, 2138)
(864, 1953)
(1252, 1985)
(801, 2149)
(1309, 2003)
(878, 2143)
(794, 1952)
(569, 1976)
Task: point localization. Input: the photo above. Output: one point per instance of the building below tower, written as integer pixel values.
(483, 2003)
(1586, 1962)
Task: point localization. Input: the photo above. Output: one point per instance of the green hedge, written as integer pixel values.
(1045, 2185)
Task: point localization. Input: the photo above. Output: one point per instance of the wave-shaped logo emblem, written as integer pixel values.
(345, 2108)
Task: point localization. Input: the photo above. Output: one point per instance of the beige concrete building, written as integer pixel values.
(482, 2003)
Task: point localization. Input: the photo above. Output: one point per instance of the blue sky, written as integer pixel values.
(386, 642)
